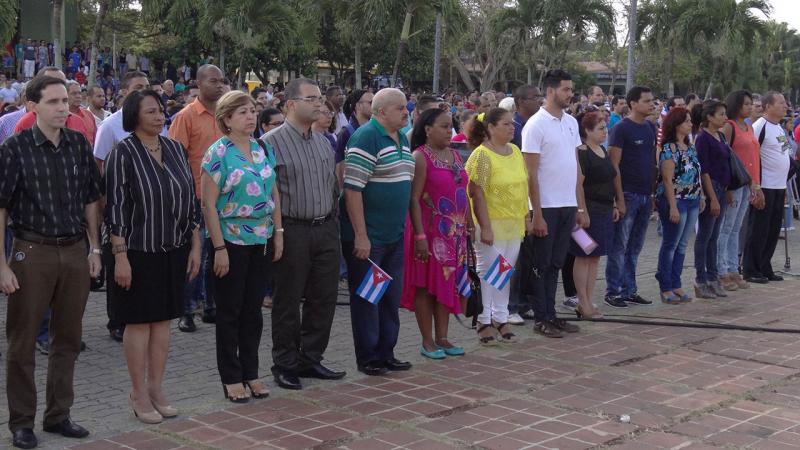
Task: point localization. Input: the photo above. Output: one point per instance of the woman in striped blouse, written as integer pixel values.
(154, 218)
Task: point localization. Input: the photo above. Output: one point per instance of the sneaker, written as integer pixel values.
(615, 301)
(565, 326)
(637, 299)
(702, 290)
(516, 319)
(527, 315)
(43, 347)
(571, 302)
(547, 329)
(716, 288)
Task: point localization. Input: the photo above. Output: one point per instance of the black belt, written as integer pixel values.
(59, 241)
(310, 222)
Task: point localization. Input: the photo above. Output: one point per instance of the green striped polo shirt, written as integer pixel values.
(381, 170)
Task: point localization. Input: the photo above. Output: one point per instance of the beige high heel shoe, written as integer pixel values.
(165, 410)
(151, 418)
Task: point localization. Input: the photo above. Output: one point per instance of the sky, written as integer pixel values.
(786, 11)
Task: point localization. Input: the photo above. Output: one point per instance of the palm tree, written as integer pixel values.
(55, 24)
(8, 19)
(102, 10)
(726, 28)
(524, 19)
(660, 20)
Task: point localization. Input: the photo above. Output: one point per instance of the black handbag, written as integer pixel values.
(474, 303)
(739, 175)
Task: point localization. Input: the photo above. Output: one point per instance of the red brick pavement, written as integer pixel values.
(682, 388)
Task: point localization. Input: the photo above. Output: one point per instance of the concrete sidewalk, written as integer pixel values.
(681, 387)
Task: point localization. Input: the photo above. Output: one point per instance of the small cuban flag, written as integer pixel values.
(464, 286)
(375, 283)
(499, 272)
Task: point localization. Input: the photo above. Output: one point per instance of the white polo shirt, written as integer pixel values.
(555, 140)
(110, 133)
(775, 151)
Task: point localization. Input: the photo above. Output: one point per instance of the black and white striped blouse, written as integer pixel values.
(153, 207)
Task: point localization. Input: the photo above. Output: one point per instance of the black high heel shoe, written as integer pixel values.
(244, 399)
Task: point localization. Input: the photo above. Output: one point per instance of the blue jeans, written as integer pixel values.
(629, 235)
(728, 241)
(375, 327)
(674, 242)
(705, 244)
(201, 288)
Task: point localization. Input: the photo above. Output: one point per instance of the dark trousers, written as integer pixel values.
(309, 269)
(566, 275)
(109, 264)
(49, 277)
(375, 327)
(202, 287)
(549, 254)
(705, 243)
(239, 322)
(763, 229)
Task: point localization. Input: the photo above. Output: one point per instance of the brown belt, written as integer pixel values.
(58, 241)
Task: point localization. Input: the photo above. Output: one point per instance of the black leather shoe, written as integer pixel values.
(116, 334)
(774, 277)
(24, 438)
(373, 369)
(317, 370)
(210, 316)
(67, 428)
(395, 364)
(186, 324)
(287, 380)
(757, 280)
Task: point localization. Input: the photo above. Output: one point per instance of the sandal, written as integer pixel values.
(486, 340)
(260, 390)
(243, 398)
(507, 337)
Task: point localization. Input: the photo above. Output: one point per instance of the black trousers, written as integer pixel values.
(309, 269)
(108, 265)
(239, 322)
(763, 229)
(566, 276)
(549, 254)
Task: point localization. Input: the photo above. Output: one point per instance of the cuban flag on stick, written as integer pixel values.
(499, 272)
(463, 285)
(375, 283)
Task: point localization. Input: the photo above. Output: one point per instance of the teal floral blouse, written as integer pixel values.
(686, 179)
(245, 201)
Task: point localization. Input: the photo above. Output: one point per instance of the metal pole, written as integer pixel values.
(631, 46)
(114, 54)
(437, 52)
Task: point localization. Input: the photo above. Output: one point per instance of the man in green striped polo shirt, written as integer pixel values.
(378, 169)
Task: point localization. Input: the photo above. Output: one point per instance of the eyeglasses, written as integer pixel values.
(275, 124)
(327, 113)
(310, 99)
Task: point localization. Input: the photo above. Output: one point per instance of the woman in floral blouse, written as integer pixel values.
(241, 208)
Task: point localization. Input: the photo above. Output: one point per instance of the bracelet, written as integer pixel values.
(580, 210)
(119, 249)
(221, 247)
(420, 237)
(95, 251)
(278, 230)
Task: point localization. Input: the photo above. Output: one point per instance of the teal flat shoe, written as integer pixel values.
(453, 351)
(436, 354)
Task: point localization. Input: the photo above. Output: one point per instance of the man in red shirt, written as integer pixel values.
(73, 122)
(75, 100)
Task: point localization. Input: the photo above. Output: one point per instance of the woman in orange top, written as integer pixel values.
(744, 144)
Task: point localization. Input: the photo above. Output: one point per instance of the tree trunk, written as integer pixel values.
(632, 21)
(437, 52)
(463, 72)
(530, 74)
(669, 69)
(96, 34)
(710, 87)
(241, 71)
(401, 46)
(222, 55)
(357, 66)
(55, 28)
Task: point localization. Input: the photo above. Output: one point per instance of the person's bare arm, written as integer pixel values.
(615, 153)
(582, 217)
(8, 281)
(210, 194)
(92, 215)
(415, 210)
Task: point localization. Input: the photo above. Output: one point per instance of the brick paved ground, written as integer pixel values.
(681, 387)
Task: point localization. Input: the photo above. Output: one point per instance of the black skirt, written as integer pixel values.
(157, 284)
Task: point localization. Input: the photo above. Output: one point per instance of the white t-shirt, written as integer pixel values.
(8, 95)
(775, 151)
(555, 140)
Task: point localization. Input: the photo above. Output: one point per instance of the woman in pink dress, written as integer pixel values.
(436, 233)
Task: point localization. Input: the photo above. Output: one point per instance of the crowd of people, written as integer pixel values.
(237, 201)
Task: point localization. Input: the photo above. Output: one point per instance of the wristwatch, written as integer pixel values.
(96, 251)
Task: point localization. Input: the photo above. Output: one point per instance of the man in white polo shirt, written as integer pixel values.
(549, 142)
(764, 225)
